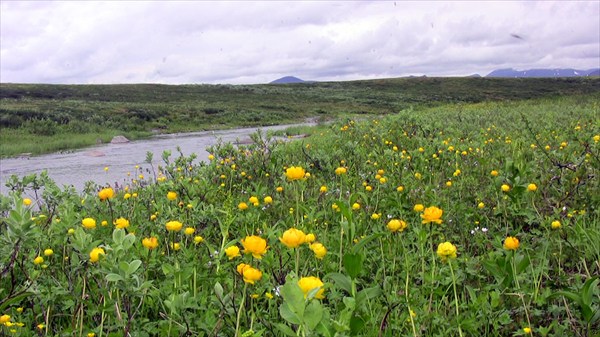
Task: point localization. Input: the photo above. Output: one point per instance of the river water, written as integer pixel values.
(77, 167)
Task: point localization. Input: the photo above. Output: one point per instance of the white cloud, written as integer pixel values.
(255, 42)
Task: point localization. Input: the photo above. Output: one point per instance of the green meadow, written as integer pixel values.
(425, 207)
(37, 118)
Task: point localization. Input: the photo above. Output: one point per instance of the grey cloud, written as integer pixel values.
(240, 42)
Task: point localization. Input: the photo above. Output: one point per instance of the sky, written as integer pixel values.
(244, 42)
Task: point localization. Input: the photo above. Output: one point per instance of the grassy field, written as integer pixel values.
(39, 118)
(455, 219)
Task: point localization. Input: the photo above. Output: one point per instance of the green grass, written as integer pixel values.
(61, 112)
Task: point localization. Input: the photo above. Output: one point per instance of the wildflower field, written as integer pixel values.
(458, 220)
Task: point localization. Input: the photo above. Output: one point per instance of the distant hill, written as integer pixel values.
(287, 79)
(543, 73)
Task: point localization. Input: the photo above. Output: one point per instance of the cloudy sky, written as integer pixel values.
(256, 42)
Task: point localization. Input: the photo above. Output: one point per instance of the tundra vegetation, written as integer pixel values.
(470, 218)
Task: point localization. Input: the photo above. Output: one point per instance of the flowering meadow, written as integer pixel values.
(459, 220)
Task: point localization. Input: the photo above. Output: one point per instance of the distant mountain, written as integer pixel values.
(287, 79)
(543, 73)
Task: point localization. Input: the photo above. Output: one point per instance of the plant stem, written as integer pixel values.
(455, 296)
(239, 314)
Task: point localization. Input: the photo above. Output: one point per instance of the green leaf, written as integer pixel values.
(124, 266)
(219, 291)
(118, 236)
(112, 277)
(313, 314)
(134, 266)
(367, 294)
(286, 330)
(353, 264)
(287, 312)
(341, 281)
(293, 297)
(362, 242)
(356, 324)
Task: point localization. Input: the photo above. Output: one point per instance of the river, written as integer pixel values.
(77, 167)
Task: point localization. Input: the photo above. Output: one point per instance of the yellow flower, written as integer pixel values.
(268, 200)
(555, 224)
(106, 193)
(310, 238)
(480, 205)
(446, 250)
(396, 225)
(172, 195)
(527, 330)
(189, 231)
(355, 206)
(323, 189)
(88, 223)
(418, 208)
(494, 173)
(456, 173)
(293, 238)
(211, 157)
(449, 183)
(368, 188)
(511, 243)
(232, 252)
(253, 200)
(596, 138)
(95, 254)
(104, 223)
(505, 188)
(48, 252)
(127, 196)
(71, 231)
(240, 268)
(295, 173)
(340, 170)
(121, 223)
(309, 283)
(279, 189)
(400, 188)
(150, 243)
(532, 187)
(254, 245)
(418, 175)
(26, 201)
(41, 326)
(375, 216)
(432, 214)
(269, 295)
(242, 206)
(174, 226)
(198, 239)
(4, 318)
(251, 275)
(38, 260)
(319, 250)
(153, 217)
(91, 334)
(20, 310)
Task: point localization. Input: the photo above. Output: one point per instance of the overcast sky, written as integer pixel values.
(257, 42)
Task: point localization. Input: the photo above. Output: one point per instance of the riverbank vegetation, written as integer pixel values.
(41, 118)
(473, 219)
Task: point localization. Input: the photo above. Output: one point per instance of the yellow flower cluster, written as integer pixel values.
(307, 284)
(295, 173)
(254, 245)
(446, 250)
